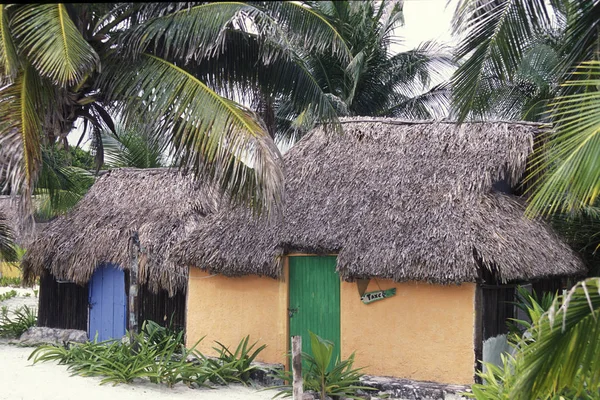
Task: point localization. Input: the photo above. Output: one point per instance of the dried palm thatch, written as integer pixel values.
(161, 205)
(395, 200)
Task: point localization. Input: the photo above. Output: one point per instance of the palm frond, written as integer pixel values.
(132, 149)
(495, 32)
(212, 135)
(53, 44)
(569, 162)
(9, 61)
(21, 130)
(433, 103)
(564, 349)
(7, 247)
(59, 186)
(309, 29)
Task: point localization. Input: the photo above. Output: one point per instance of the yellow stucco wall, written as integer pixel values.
(425, 332)
(9, 270)
(228, 309)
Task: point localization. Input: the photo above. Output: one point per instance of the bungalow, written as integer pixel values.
(84, 258)
(399, 241)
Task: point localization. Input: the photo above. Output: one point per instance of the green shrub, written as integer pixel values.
(342, 381)
(8, 295)
(241, 359)
(10, 281)
(156, 353)
(22, 319)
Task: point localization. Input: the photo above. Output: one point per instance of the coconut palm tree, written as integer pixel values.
(561, 357)
(375, 82)
(139, 61)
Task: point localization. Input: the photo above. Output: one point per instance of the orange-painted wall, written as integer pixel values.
(228, 309)
(425, 332)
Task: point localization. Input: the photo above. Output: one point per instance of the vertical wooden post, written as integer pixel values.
(297, 383)
(134, 258)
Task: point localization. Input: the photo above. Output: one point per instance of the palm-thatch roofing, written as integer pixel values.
(161, 205)
(395, 200)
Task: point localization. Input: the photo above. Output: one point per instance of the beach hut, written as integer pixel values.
(85, 258)
(399, 241)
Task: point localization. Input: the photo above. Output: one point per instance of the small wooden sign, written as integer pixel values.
(370, 297)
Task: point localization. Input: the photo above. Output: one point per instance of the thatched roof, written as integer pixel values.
(161, 205)
(402, 201)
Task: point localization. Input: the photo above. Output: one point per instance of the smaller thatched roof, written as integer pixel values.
(395, 200)
(161, 205)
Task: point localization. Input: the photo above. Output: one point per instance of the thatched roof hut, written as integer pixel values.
(161, 205)
(395, 200)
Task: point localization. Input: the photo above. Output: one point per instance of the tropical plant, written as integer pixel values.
(241, 359)
(7, 246)
(375, 82)
(128, 148)
(533, 306)
(146, 63)
(6, 296)
(15, 325)
(323, 375)
(557, 357)
(515, 54)
(156, 353)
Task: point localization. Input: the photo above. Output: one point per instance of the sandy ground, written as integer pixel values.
(20, 380)
(21, 299)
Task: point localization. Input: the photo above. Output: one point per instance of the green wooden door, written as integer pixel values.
(315, 300)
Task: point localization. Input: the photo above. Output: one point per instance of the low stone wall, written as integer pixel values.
(39, 335)
(406, 389)
(386, 387)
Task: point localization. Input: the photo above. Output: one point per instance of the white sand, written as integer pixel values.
(20, 380)
(21, 299)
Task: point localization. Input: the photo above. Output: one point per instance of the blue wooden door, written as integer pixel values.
(108, 303)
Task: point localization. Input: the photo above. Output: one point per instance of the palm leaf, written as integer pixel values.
(53, 44)
(565, 349)
(7, 248)
(200, 30)
(569, 163)
(8, 53)
(21, 130)
(212, 135)
(495, 32)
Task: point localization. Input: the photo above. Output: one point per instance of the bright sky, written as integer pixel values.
(426, 20)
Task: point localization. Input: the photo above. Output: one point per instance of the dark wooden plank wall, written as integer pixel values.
(160, 308)
(498, 306)
(62, 305)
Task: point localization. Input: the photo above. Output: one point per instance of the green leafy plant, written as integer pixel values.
(240, 360)
(533, 306)
(10, 281)
(156, 353)
(22, 319)
(159, 335)
(341, 381)
(8, 295)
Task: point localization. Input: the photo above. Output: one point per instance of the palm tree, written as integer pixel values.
(561, 357)
(375, 82)
(143, 62)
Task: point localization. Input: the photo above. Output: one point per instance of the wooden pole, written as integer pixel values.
(134, 258)
(297, 384)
